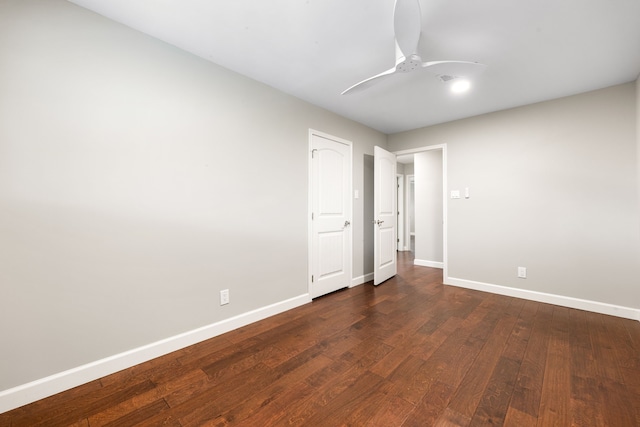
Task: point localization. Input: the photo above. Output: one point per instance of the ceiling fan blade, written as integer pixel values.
(369, 82)
(454, 68)
(407, 25)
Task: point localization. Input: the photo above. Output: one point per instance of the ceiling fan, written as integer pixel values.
(407, 27)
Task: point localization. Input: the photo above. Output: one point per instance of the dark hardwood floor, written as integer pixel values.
(410, 352)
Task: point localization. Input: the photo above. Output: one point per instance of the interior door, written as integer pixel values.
(331, 215)
(400, 208)
(385, 215)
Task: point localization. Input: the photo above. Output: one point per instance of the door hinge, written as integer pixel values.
(311, 216)
(312, 278)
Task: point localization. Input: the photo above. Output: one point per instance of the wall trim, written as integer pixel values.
(426, 263)
(361, 279)
(561, 300)
(35, 390)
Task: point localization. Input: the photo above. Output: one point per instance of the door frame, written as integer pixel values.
(311, 133)
(445, 251)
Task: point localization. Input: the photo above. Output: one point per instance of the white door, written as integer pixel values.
(400, 216)
(384, 215)
(331, 214)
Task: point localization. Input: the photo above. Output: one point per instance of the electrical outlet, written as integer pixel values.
(224, 296)
(522, 272)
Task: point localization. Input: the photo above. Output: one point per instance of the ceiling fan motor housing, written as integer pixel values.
(408, 64)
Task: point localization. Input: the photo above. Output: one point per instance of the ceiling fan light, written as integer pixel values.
(460, 86)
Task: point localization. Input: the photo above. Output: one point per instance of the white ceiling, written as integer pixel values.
(535, 50)
(405, 159)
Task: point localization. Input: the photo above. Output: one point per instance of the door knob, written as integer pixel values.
(347, 223)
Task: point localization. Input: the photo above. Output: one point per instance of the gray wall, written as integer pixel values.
(638, 145)
(553, 188)
(409, 191)
(638, 162)
(367, 226)
(428, 206)
(122, 210)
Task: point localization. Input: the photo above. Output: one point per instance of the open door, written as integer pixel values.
(385, 215)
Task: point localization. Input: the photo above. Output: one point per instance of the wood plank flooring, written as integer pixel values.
(410, 352)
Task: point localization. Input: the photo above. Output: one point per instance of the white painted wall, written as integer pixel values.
(411, 204)
(409, 169)
(553, 188)
(428, 207)
(122, 212)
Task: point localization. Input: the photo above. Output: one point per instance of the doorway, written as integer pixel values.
(429, 201)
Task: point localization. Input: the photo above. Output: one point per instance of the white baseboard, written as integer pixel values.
(425, 263)
(564, 301)
(361, 279)
(21, 395)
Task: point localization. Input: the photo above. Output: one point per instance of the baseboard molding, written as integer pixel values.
(21, 395)
(361, 279)
(425, 263)
(564, 301)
